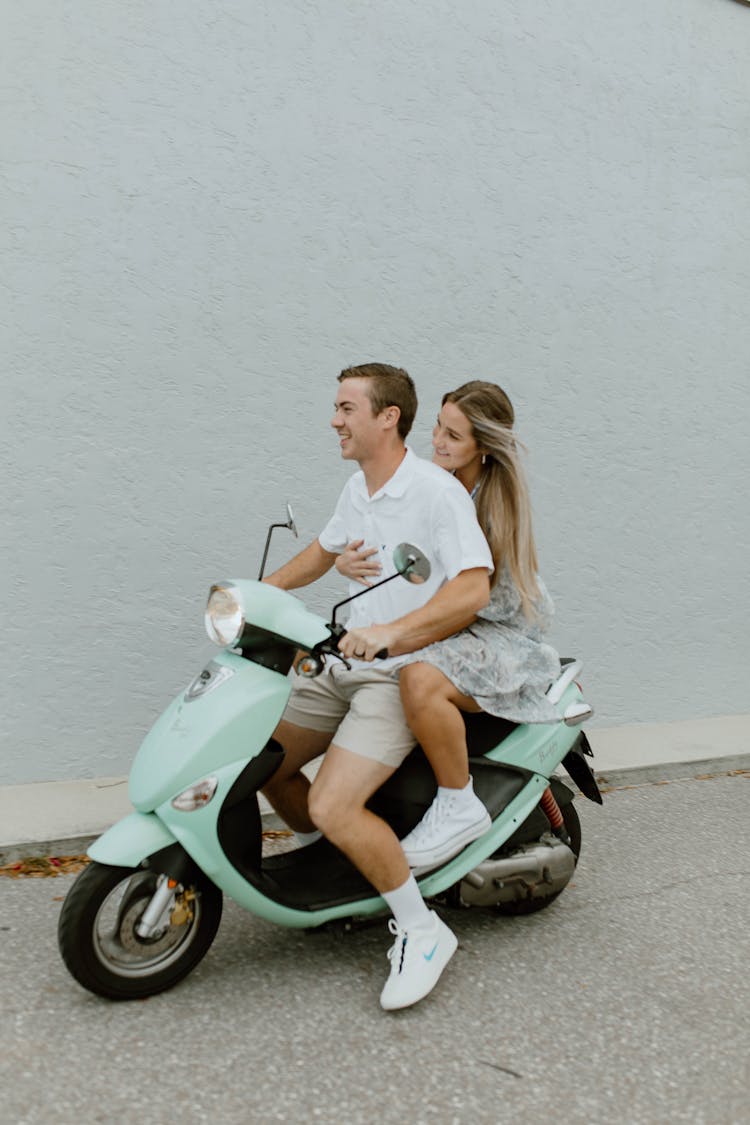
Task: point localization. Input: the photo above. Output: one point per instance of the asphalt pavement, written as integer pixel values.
(627, 1000)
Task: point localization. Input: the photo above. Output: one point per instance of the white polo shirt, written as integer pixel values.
(421, 504)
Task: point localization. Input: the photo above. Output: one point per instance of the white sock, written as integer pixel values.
(464, 796)
(408, 907)
(305, 838)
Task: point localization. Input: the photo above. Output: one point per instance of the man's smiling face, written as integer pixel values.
(360, 431)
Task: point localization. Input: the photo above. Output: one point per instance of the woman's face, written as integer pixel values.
(453, 444)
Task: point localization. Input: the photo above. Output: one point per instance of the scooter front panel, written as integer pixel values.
(196, 737)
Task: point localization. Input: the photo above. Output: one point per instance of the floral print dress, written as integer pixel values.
(501, 660)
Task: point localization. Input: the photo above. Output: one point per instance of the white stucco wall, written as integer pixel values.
(208, 210)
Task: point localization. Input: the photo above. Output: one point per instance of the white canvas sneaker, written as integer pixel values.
(417, 958)
(447, 827)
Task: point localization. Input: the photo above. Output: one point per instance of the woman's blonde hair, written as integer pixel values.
(502, 499)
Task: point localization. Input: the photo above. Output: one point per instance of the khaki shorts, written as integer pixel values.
(362, 708)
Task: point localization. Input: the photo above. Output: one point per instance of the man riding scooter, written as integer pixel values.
(353, 711)
(145, 911)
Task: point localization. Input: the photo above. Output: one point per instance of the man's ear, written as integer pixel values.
(391, 415)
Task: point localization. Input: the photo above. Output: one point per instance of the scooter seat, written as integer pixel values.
(484, 732)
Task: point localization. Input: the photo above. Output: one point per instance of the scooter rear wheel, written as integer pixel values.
(98, 939)
(532, 905)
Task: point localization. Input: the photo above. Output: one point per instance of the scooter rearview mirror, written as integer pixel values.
(290, 525)
(411, 563)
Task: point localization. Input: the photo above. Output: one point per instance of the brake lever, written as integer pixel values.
(331, 645)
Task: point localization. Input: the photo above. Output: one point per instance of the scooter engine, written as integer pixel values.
(531, 872)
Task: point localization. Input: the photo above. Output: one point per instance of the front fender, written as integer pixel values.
(131, 840)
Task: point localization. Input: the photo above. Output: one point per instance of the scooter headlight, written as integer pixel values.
(224, 618)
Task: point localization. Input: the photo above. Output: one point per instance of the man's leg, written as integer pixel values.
(344, 784)
(288, 789)
(313, 713)
(423, 943)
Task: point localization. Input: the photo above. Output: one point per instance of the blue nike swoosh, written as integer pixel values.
(431, 954)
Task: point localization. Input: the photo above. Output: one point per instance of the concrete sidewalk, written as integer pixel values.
(63, 817)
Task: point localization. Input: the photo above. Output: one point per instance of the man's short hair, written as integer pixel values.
(387, 386)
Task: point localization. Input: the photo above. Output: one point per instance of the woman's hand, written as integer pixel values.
(365, 643)
(354, 562)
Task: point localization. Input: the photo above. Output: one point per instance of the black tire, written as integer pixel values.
(100, 947)
(533, 905)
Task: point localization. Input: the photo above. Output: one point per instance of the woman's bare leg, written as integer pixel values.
(433, 707)
(457, 816)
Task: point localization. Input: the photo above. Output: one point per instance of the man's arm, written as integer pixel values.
(453, 607)
(311, 563)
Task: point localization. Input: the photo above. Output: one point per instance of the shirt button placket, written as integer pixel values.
(370, 533)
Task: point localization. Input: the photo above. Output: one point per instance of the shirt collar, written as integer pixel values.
(395, 485)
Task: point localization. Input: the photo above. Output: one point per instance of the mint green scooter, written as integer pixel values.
(144, 912)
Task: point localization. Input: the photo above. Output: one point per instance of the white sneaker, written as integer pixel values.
(417, 959)
(447, 827)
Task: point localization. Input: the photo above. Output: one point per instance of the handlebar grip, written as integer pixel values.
(381, 655)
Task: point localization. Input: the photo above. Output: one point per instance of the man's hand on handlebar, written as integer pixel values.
(370, 643)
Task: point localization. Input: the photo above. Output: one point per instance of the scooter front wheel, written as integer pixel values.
(99, 939)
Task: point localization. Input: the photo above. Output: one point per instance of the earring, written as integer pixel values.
(484, 458)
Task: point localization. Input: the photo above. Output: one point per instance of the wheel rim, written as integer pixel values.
(116, 943)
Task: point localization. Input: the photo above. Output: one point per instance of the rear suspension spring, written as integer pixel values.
(554, 815)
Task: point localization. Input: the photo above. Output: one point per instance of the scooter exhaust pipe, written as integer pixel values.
(534, 871)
